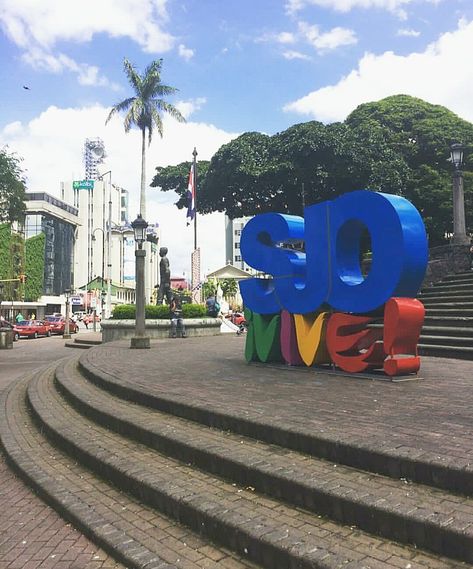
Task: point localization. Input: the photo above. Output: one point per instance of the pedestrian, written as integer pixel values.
(213, 307)
(177, 322)
(85, 320)
(19, 317)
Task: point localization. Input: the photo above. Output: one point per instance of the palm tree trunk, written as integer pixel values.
(143, 175)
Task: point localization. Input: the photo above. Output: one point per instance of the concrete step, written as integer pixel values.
(373, 503)
(78, 345)
(258, 528)
(448, 304)
(129, 530)
(466, 276)
(235, 514)
(462, 332)
(452, 341)
(448, 321)
(446, 351)
(437, 297)
(464, 312)
(451, 287)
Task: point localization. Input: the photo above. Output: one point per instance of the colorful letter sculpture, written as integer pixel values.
(289, 318)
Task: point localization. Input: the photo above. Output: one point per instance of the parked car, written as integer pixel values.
(10, 326)
(89, 319)
(57, 324)
(33, 328)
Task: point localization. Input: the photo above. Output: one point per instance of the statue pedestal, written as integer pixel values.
(139, 343)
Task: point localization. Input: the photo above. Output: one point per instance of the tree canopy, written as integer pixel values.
(398, 145)
(12, 187)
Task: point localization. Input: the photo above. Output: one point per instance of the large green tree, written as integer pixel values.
(144, 110)
(418, 135)
(398, 145)
(12, 187)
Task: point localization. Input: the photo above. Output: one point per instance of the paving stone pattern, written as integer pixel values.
(34, 536)
(232, 496)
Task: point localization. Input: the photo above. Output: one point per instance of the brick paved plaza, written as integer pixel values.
(395, 433)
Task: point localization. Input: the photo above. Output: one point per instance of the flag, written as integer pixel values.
(191, 197)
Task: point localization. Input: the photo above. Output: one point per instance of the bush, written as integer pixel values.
(158, 312)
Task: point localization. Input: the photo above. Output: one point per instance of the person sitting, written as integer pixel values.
(213, 307)
(177, 322)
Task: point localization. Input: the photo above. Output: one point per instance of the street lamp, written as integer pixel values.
(67, 333)
(459, 226)
(109, 245)
(139, 229)
(102, 293)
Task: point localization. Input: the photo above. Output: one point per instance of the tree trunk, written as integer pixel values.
(143, 175)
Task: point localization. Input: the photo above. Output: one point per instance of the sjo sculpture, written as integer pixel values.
(317, 306)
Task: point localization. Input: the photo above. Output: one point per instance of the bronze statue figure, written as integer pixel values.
(164, 278)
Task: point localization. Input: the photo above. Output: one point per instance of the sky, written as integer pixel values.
(239, 66)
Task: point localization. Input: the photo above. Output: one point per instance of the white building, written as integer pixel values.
(98, 203)
(233, 229)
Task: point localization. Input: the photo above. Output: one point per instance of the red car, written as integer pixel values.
(32, 328)
(57, 324)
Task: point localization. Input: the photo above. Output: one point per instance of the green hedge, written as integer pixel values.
(158, 312)
(34, 266)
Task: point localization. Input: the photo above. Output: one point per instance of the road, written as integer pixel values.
(29, 355)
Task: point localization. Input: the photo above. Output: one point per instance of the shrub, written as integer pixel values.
(158, 312)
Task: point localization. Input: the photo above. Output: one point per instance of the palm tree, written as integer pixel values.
(144, 110)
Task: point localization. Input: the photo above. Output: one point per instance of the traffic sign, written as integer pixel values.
(83, 185)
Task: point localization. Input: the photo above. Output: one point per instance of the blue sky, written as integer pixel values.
(239, 65)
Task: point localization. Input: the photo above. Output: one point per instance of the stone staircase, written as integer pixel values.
(448, 326)
(161, 483)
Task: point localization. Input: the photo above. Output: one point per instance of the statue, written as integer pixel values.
(164, 278)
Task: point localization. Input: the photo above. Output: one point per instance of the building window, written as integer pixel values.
(237, 257)
(237, 231)
(237, 245)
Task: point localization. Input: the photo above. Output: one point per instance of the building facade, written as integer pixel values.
(233, 229)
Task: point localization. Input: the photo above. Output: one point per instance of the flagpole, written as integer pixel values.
(194, 154)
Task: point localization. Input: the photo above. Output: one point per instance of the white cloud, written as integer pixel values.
(36, 28)
(327, 41)
(185, 52)
(394, 6)
(285, 37)
(187, 108)
(436, 75)
(86, 74)
(49, 21)
(291, 54)
(407, 32)
(52, 146)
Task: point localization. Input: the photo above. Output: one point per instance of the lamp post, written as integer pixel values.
(109, 245)
(102, 293)
(459, 227)
(139, 229)
(67, 333)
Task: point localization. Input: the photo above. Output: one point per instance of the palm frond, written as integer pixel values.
(171, 110)
(156, 120)
(133, 76)
(164, 90)
(119, 107)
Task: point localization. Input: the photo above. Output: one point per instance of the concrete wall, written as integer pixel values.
(446, 260)
(119, 329)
